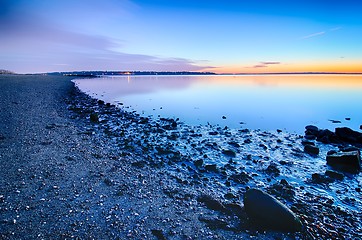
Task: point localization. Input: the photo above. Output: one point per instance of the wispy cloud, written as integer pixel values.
(265, 64)
(321, 33)
(269, 63)
(314, 35)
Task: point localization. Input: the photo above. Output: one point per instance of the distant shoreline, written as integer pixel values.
(166, 73)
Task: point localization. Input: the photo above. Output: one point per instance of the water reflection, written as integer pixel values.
(263, 102)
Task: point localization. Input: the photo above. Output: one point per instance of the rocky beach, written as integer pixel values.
(74, 167)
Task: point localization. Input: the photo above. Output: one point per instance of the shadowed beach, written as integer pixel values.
(77, 167)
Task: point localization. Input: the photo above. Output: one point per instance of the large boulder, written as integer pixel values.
(267, 212)
(345, 161)
(348, 135)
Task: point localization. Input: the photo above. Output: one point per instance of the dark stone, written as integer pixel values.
(319, 178)
(335, 175)
(331, 152)
(223, 117)
(310, 137)
(211, 203)
(199, 163)
(94, 117)
(313, 150)
(229, 153)
(266, 211)
(348, 149)
(158, 234)
(334, 121)
(229, 196)
(242, 177)
(213, 133)
(279, 131)
(272, 170)
(211, 168)
(234, 144)
(311, 130)
(108, 182)
(304, 142)
(349, 135)
(327, 136)
(139, 164)
(100, 102)
(143, 120)
(282, 189)
(346, 161)
(247, 141)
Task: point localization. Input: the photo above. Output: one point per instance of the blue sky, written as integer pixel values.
(220, 36)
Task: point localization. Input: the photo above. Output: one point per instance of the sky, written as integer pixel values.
(229, 36)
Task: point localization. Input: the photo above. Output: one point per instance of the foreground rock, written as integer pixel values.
(268, 212)
(345, 161)
(340, 135)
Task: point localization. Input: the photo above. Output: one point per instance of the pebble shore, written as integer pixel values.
(76, 167)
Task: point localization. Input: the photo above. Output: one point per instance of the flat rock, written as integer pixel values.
(345, 161)
(310, 149)
(267, 212)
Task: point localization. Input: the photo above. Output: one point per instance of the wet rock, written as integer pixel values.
(234, 144)
(335, 175)
(211, 203)
(349, 135)
(213, 133)
(310, 137)
(272, 170)
(247, 141)
(229, 153)
(242, 178)
(334, 121)
(312, 130)
(267, 212)
(310, 149)
(345, 161)
(199, 163)
(327, 136)
(321, 179)
(348, 149)
(143, 120)
(229, 196)
(305, 142)
(94, 117)
(139, 164)
(158, 234)
(211, 168)
(282, 189)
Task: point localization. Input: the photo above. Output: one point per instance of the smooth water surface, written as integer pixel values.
(266, 102)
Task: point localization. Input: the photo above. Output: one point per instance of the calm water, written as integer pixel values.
(266, 102)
